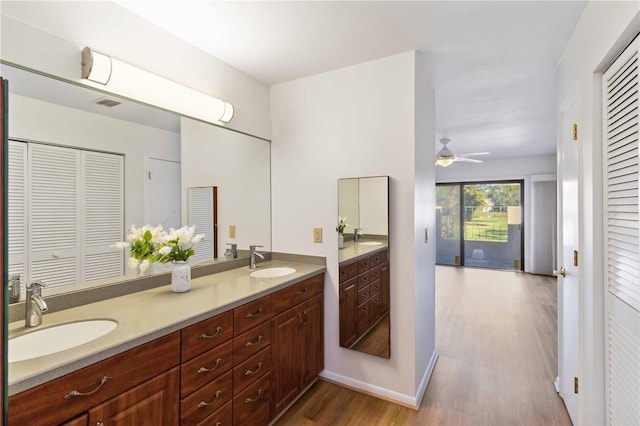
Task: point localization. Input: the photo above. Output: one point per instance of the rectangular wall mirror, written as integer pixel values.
(363, 252)
(85, 166)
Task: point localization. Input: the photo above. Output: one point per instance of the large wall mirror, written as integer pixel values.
(85, 166)
(363, 206)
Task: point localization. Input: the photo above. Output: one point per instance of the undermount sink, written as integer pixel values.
(47, 341)
(280, 271)
(370, 243)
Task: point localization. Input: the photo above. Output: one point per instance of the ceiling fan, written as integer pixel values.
(445, 157)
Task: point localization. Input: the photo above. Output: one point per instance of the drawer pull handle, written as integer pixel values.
(299, 319)
(99, 423)
(301, 292)
(304, 312)
(209, 370)
(204, 403)
(257, 342)
(218, 423)
(210, 336)
(256, 315)
(248, 400)
(365, 279)
(249, 372)
(75, 393)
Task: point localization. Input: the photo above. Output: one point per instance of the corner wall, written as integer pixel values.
(353, 122)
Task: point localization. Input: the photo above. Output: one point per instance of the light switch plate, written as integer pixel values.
(317, 235)
(232, 231)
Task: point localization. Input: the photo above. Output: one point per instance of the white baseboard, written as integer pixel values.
(556, 383)
(412, 402)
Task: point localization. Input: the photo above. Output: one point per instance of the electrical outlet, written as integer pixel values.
(317, 235)
(232, 231)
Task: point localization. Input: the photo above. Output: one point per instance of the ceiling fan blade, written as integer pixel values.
(466, 160)
(474, 153)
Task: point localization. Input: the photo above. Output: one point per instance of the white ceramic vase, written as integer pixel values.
(180, 277)
(340, 240)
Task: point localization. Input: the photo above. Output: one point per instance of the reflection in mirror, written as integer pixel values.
(364, 265)
(84, 167)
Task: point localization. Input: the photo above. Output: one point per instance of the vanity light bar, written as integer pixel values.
(127, 80)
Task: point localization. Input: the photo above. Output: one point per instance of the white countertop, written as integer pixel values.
(353, 250)
(148, 315)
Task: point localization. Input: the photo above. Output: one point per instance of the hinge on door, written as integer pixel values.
(575, 385)
(149, 175)
(575, 258)
(575, 131)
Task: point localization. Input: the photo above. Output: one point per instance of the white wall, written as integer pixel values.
(49, 36)
(373, 197)
(239, 166)
(358, 121)
(520, 168)
(40, 121)
(603, 31)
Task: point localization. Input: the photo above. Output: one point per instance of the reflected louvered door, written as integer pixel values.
(200, 212)
(17, 190)
(53, 214)
(622, 257)
(103, 190)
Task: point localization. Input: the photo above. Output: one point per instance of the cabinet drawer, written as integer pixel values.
(78, 421)
(222, 417)
(206, 400)
(124, 370)
(251, 342)
(206, 367)
(250, 370)
(375, 273)
(364, 264)
(364, 279)
(363, 295)
(375, 287)
(379, 258)
(297, 293)
(251, 314)
(348, 271)
(375, 308)
(253, 405)
(362, 317)
(206, 335)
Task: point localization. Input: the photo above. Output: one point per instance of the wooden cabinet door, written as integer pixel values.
(312, 325)
(286, 357)
(348, 297)
(154, 402)
(78, 421)
(384, 288)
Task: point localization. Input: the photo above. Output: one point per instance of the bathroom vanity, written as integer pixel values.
(234, 350)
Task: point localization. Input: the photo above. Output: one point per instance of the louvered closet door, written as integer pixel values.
(17, 217)
(622, 322)
(103, 187)
(200, 213)
(53, 214)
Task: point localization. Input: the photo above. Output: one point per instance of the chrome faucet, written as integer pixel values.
(233, 249)
(252, 256)
(34, 305)
(357, 233)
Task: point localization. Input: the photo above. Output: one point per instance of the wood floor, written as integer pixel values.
(496, 335)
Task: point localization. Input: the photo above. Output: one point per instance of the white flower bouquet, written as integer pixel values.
(143, 243)
(342, 223)
(178, 244)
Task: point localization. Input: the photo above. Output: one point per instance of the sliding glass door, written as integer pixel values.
(485, 220)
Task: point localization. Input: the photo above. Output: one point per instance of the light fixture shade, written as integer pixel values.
(132, 82)
(514, 215)
(444, 162)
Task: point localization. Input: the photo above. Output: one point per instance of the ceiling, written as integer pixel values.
(492, 64)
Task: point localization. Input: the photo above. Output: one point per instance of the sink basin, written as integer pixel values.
(272, 272)
(370, 243)
(58, 338)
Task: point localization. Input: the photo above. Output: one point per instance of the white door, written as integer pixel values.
(568, 285)
(163, 193)
(622, 284)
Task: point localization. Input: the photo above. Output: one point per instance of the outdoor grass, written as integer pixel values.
(490, 226)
